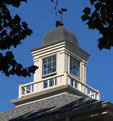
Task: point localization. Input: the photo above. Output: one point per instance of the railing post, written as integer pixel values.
(20, 91)
(35, 87)
(31, 88)
(79, 86)
(55, 81)
(98, 95)
(48, 83)
(25, 90)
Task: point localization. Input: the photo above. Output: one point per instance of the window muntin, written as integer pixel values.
(74, 67)
(49, 65)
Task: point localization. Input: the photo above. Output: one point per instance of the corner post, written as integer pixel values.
(20, 91)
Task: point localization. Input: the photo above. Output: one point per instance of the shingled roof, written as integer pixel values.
(51, 106)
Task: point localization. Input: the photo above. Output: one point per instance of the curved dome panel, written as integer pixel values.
(57, 35)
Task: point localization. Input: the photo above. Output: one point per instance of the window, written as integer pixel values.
(49, 65)
(74, 67)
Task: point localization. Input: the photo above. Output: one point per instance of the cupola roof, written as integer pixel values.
(57, 35)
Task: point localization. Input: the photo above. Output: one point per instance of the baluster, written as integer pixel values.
(25, 90)
(90, 93)
(31, 88)
(48, 83)
(79, 86)
(98, 95)
(93, 95)
(55, 81)
(76, 84)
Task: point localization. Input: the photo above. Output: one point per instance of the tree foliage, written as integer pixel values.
(12, 32)
(99, 17)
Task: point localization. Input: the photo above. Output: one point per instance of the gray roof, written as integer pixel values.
(50, 106)
(57, 35)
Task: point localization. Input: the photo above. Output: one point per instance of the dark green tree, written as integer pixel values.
(12, 32)
(100, 17)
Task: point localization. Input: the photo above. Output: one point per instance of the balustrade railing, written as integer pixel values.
(86, 89)
(41, 85)
(58, 80)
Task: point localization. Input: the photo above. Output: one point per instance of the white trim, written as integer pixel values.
(49, 50)
(38, 50)
(79, 67)
(77, 56)
(47, 54)
(52, 73)
(41, 99)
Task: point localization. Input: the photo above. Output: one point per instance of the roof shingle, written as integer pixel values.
(46, 107)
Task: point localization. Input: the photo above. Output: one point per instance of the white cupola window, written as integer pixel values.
(48, 69)
(49, 65)
(74, 67)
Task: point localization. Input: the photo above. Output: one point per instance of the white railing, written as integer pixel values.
(86, 89)
(58, 80)
(41, 85)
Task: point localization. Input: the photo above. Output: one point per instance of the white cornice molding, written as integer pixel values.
(42, 50)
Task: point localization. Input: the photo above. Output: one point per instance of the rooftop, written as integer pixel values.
(57, 104)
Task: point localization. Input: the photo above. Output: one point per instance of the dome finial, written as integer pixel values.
(60, 23)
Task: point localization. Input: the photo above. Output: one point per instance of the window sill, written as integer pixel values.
(50, 74)
(73, 76)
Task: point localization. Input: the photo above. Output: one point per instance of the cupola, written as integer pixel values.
(62, 68)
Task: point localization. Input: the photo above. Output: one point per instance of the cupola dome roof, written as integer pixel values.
(57, 35)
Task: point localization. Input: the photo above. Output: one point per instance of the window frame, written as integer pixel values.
(52, 73)
(77, 77)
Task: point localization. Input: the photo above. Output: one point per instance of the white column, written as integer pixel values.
(20, 91)
(83, 75)
(37, 74)
(66, 67)
(65, 78)
(83, 72)
(66, 64)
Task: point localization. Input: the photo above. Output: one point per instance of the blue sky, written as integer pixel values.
(40, 16)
